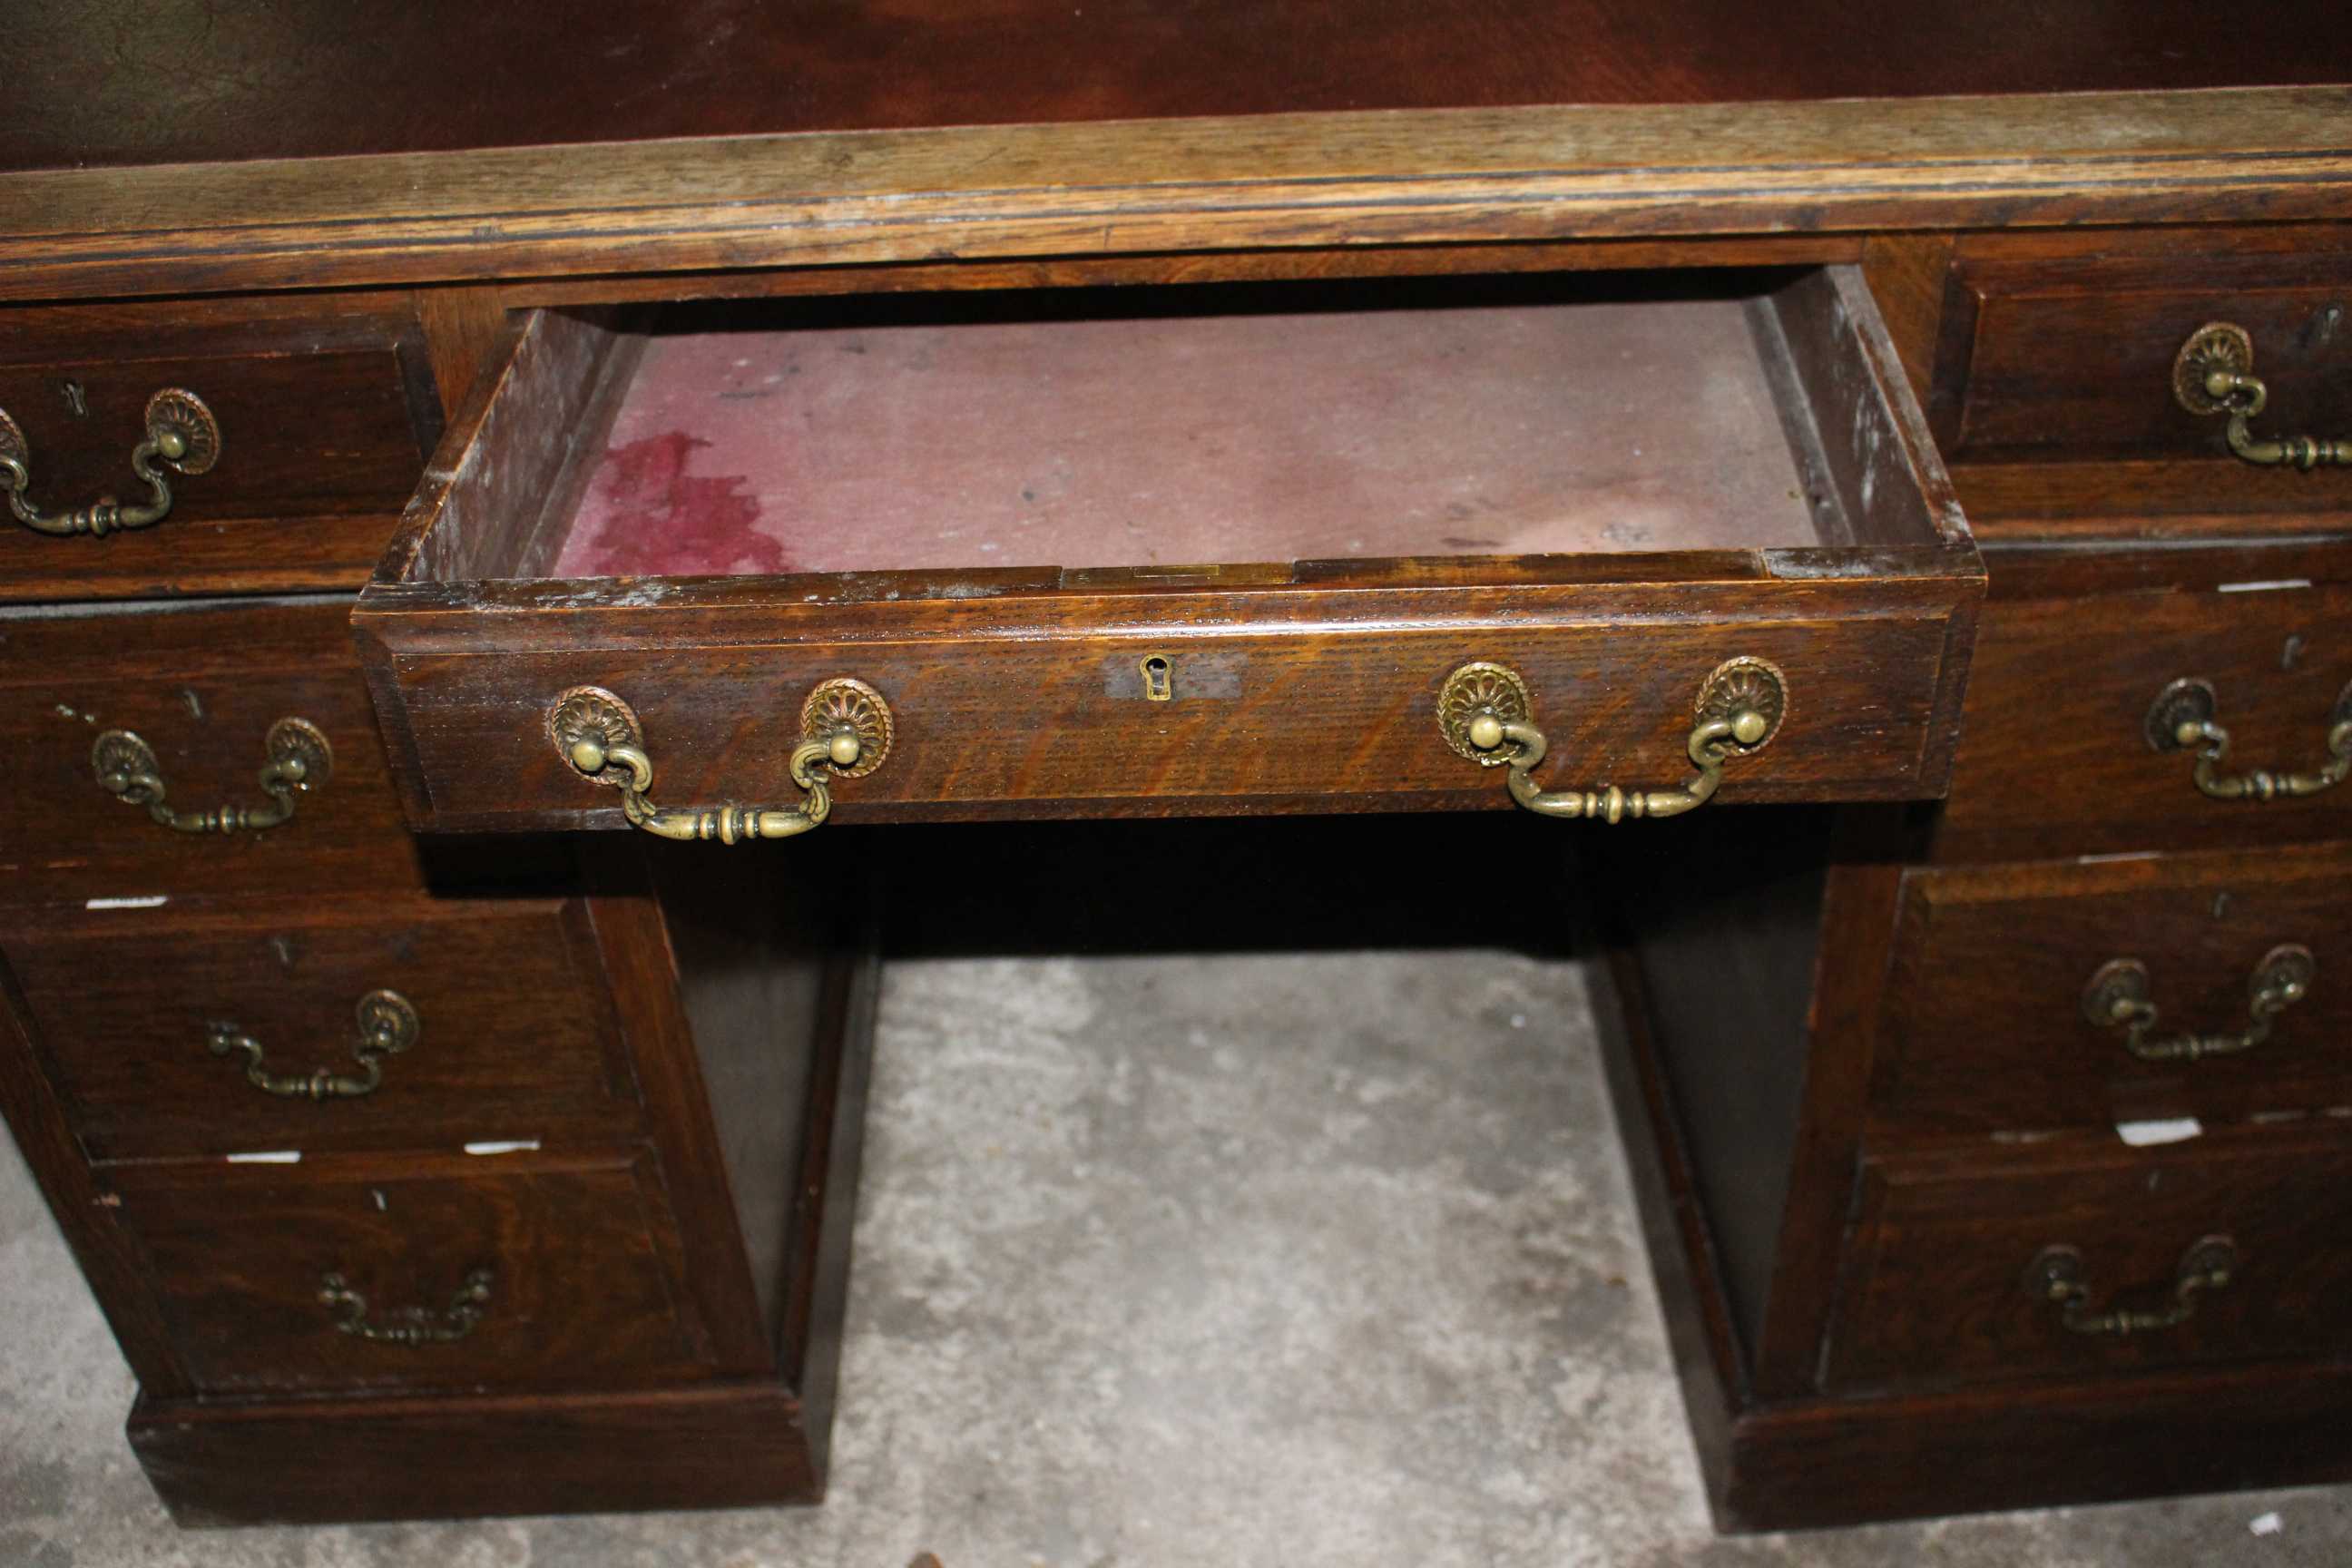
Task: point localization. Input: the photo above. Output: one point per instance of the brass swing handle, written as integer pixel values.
(2056, 1275)
(2118, 996)
(2182, 716)
(181, 435)
(2214, 373)
(388, 1025)
(407, 1325)
(1484, 710)
(299, 759)
(846, 732)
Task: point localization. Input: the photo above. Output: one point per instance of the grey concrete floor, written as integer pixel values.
(1285, 1260)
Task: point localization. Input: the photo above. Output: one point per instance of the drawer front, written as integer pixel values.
(414, 1274)
(325, 412)
(2015, 1264)
(2056, 751)
(1305, 718)
(408, 1023)
(204, 687)
(2064, 994)
(1266, 683)
(2052, 393)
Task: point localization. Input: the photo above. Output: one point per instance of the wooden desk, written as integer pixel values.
(508, 1167)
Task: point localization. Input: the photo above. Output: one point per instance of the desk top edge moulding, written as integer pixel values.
(1881, 470)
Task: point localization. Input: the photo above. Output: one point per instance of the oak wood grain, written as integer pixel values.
(1345, 178)
(1960, 1057)
(326, 409)
(517, 1039)
(1935, 1290)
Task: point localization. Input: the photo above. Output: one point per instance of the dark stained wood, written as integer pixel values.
(2055, 755)
(581, 1290)
(326, 411)
(1841, 1462)
(1935, 1290)
(517, 1040)
(1907, 277)
(1962, 1058)
(2051, 389)
(1710, 1360)
(1850, 976)
(84, 1209)
(705, 1255)
(462, 325)
(707, 1445)
(202, 683)
(1726, 969)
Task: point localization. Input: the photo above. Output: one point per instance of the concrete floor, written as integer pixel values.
(1296, 1261)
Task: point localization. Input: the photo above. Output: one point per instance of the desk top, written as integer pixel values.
(170, 145)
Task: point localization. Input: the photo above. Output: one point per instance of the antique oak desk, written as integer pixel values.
(1904, 449)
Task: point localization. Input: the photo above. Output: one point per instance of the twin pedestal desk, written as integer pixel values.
(1902, 516)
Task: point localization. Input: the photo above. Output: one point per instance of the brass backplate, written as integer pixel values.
(2185, 702)
(591, 712)
(1743, 685)
(298, 740)
(1482, 688)
(848, 703)
(2217, 345)
(180, 411)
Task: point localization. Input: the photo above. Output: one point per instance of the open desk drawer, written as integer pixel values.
(1101, 552)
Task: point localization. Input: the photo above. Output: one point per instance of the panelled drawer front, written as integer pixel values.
(150, 1021)
(2055, 752)
(203, 686)
(2052, 393)
(1990, 1030)
(1946, 1279)
(325, 411)
(508, 1271)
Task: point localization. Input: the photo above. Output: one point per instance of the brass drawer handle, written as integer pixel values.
(407, 1325)
(1485, 713)
(299, 759)
(2118, 996)
(2182, 715)
(181, 433)
(846, 732)
(2214, 373)
(388, 1025)
(2056, 1275)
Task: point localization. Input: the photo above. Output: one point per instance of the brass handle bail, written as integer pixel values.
(181, 435)
(2182, 715)
(388, 1024)
(299, 761)
(2214, 373)
(2057, 1275)
(1485, 712)
(847, 730)
(407, 1325)
(2119, 997)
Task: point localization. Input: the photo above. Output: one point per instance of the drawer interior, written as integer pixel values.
(1295, 506)
(1094, 430)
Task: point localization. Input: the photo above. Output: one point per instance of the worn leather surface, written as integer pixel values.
(138, 81)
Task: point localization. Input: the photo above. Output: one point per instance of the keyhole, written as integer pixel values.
(75, 401)
(1158, 678)
(2293, 651)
